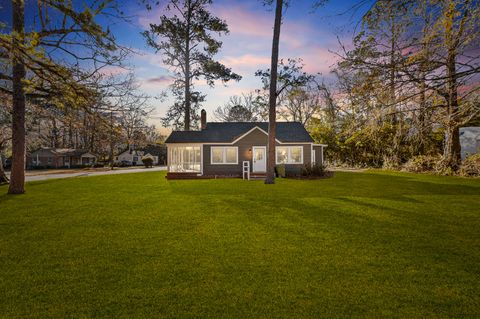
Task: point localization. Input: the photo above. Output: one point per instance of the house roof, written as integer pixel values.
(227, 132)
(152, 149)
(63, 151)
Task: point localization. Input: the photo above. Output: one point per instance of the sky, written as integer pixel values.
(307, 34)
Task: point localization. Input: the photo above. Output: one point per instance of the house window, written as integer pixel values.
(185, 159)
(135, 158)
(282, 155)
(49, 160)
(224, 155)
(289, 155)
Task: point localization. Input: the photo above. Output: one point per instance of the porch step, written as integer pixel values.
(183, 176)
(258, 176)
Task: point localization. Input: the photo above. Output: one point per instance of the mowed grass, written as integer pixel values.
(371, 244)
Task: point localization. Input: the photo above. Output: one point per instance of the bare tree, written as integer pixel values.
(36, 68)
(243, 108)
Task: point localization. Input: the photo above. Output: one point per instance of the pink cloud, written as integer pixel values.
(114, 70)
(247, 63)
(155, 85)
(257, 26)
(242, 21)
(468, 88)
(318, 60)
(155, 59)
(162, 79)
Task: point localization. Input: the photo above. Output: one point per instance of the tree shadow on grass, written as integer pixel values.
(372, 185)
(398, 187)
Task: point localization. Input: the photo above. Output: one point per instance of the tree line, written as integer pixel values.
(403, 88)
(55, 86)
(407, 85)
(400, 91)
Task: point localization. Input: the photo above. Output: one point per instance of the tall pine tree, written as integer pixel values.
(185, 37)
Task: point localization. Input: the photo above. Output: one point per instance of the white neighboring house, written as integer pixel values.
(469, 141)
(134, 157)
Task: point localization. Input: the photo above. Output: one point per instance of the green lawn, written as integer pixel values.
(371, 244)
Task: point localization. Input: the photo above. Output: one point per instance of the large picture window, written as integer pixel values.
(289, 155)
(185, 159)
(224, 155)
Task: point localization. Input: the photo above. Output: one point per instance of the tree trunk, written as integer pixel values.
(452, 146)
(70, 134)
(187, 71)
(272, 112)
(422, 119)
(451, 152)
(112, 160)
(85, 131)
(17, 182)
(397, 138)
(93, 131)
(54, 133)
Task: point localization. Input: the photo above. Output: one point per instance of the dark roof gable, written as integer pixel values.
(227, 132)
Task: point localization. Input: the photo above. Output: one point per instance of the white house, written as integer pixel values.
(469, 140)
(134, 157)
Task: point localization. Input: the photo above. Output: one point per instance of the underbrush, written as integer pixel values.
(471, 166)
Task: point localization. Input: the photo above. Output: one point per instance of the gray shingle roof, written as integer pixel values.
(227, 132)
(154, 150)
(63, 151)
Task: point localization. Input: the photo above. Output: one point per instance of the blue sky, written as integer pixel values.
(309, 35)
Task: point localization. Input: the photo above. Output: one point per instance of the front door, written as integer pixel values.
(259, 159)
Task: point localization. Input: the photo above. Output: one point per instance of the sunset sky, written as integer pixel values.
(305, 34)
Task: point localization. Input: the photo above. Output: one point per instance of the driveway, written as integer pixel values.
(33, 176)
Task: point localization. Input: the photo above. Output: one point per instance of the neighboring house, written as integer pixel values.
(469, 141)
(60, 157)
(219, 149)
(134, 157)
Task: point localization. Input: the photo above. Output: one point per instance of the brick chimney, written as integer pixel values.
(203, 119)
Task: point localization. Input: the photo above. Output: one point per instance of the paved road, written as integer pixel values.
(43, 177)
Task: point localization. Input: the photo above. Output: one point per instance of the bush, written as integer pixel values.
(442, 168)
(389, 163)
(34, 167)
(422, 163)
(315, 170)
(147, 161)
(471, 166)
(280, 170)
(98, 165)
